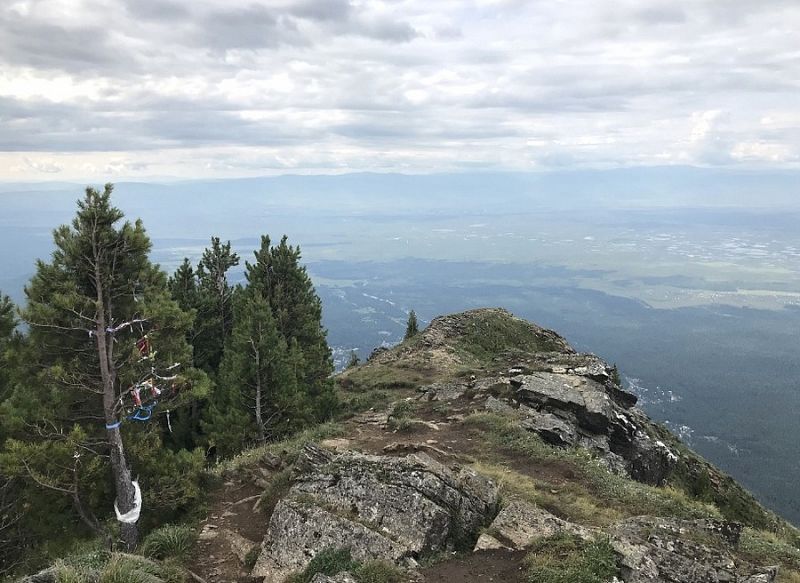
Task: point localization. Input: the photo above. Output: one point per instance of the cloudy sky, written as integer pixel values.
(106, 89)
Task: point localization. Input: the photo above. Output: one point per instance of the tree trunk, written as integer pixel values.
(259, 420)
(129, 533)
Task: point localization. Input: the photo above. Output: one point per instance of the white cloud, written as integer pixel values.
(216, 87)
(42, 166)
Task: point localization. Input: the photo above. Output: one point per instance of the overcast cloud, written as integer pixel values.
(102, 89)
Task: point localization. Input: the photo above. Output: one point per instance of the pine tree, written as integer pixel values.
(185, 423)
(280, 278)
(86, 309)
(7, 325)
(257, 396)
(9, 511)
(412, 328)
(183, 286)
(215, 304)
(353, 360)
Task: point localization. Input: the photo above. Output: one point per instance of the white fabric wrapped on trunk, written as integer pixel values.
(132, 516)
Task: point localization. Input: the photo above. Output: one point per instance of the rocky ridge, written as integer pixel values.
(487, 437)
(410, 508)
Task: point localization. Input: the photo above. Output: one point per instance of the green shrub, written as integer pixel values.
(123, 568)
(287, 449)
(251, 558)
(491, 333)
(328, 562)
(356, 403)
(71, 574)
(378, 572)
(278, 487)
(565, 558)
(402, 410)
(169, 541)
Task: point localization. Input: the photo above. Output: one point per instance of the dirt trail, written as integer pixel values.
(433, 429)
(215, 558)
(485, 566)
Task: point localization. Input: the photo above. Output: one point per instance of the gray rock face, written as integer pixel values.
(656, 550)
(497, 406)
(649, 550)
(584, 398)
(551, 428)
(571, 409)
(344, 577)
(444, 391)
(379, 507)
(299, 529)
(46, 576)
(519, 524)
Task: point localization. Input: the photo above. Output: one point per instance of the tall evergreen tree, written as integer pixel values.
(7, 325)
(9, 513)
(86, 309)
(279, 277)
(412, 327)
(183, 286)
(257, 396)
(215, 304)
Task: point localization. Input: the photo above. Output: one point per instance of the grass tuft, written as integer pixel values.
(379, 572)
(287, 449)
(565, 558)
(171, 541)
(328, 562)
(279, 486)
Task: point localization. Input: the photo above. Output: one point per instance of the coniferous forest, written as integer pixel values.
(119, 382)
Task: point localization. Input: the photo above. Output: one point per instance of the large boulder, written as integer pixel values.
(379, 507)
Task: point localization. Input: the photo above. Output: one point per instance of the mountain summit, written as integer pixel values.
(486, 448)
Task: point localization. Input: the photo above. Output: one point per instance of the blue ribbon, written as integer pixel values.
(144, 412)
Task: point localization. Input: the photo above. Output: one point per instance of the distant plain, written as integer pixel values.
(689, 280)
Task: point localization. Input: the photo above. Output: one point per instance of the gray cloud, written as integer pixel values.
(477, 83)
(253, 27)
(42, 45)
(323, 10)
(159, 10)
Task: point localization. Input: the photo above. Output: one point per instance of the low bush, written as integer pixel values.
(328, 562)
(116, 568)
(169, 541)
(565, 558)
(332, 561)
(278, 487)
(378, 572)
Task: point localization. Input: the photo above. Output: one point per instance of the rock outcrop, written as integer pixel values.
(394, 509)
(648, 549)
(519, 524)
(661, 550)
(570, 409)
